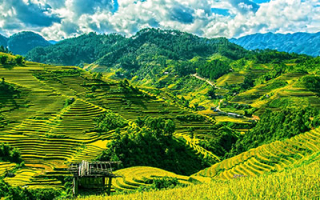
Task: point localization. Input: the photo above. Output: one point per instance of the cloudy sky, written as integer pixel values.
(58, 19)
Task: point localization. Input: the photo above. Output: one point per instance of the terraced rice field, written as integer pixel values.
(6, 166)
(135, 177)
(256, 96)
(51, 134)
(275, 156)
(231, 78)
(296, 183)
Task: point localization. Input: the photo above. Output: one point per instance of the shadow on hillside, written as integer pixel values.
(9, 66)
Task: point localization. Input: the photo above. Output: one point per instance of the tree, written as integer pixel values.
(169, 127)
(94, 88)
(212, 93)
(248, 83)
(19, 60)
(3, 59)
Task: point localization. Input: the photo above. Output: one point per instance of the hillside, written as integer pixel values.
(21, 43)
(114, 50)
(301, 43)
(3, 41)
(295, 183)
(50, 114)
(78, 51)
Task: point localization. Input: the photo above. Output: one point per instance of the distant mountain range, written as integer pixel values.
(301, 43)
(21, 43)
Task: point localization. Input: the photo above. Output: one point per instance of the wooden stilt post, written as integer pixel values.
(109, 186)
(103, 182)
(75, 186)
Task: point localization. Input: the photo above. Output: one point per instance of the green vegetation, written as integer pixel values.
(16, 193)
(311, 82)
(162, 99)
(7, 88)
(191, 118)
(152, 143)
(109, 121)
(299, 182)
(77, 51)
(213, 69)
(3, 59)
(275, 126)
(8, 153)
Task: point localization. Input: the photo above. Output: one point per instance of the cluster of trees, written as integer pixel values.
(76, 51)
(275, 126)
(109, 121)
(278, 70)
(17, 193)
(7, 153)
(18, 60)
(213, 69)
(7, 88)
(273, 56)
(163, 183)
(159, 126)
(191, 117)
(185, 68)
(312, 82)
(152, 144)
(222, 140)
(309, 65)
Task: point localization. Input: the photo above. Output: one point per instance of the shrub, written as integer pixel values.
(109, 121)
(7, 153)
(19, 60)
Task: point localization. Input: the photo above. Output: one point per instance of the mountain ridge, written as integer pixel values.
(300, 42)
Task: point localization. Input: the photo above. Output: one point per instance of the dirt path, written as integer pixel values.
(203, 79)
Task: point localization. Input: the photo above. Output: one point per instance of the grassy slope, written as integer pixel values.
(295, 183)
(267, 158)
(134, 177)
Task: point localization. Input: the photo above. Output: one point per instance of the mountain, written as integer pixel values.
(3, 41)
(22, 42)
(75, 51)
(301, 43)
(155, 44)
(115, 50)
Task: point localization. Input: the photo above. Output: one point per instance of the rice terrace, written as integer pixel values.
(159, 100)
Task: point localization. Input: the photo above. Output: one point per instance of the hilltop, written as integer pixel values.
(301, 43)
(21, 43)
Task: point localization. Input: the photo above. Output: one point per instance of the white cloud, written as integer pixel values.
(66, 18)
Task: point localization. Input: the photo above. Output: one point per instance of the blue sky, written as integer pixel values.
(58, 19)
